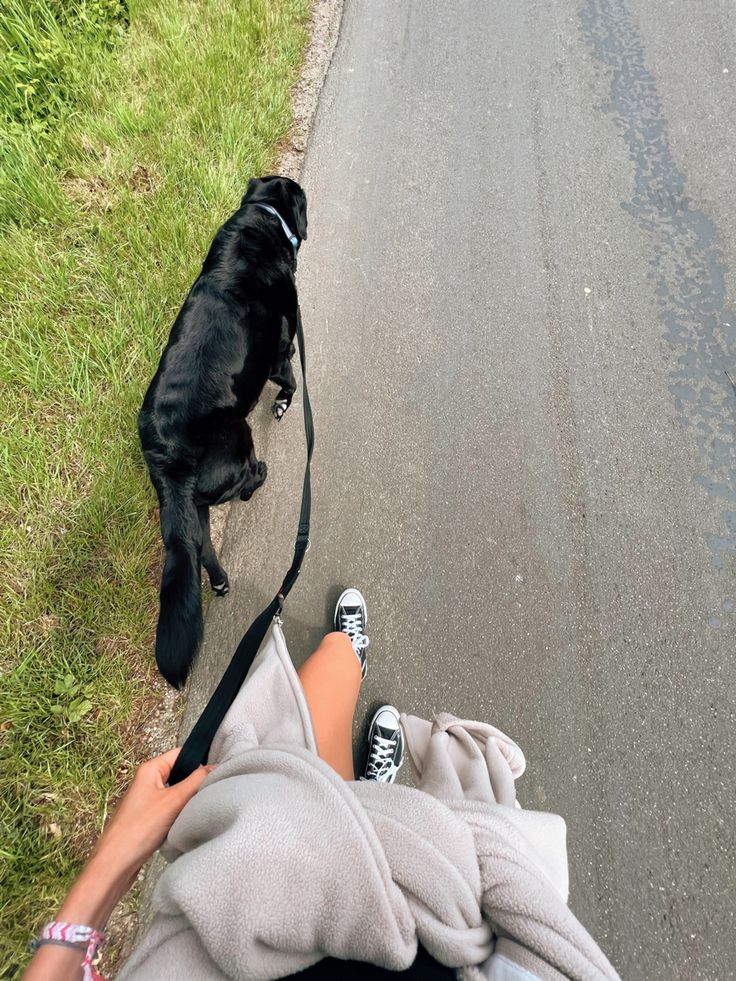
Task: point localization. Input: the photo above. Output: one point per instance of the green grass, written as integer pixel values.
(127, 134)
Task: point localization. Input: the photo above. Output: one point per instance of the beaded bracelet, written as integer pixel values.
(61, 934)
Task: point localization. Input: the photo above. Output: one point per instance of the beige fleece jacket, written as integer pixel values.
(277, 862)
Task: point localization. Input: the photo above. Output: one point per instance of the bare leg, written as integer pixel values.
(331, 681)
(217, 575)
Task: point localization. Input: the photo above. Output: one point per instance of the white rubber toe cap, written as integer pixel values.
(352, 597)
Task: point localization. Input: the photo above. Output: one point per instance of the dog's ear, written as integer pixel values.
(299, 208)
(296, 201)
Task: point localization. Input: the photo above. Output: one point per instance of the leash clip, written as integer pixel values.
(280, 601)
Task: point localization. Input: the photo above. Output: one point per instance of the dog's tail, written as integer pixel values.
(179, 631)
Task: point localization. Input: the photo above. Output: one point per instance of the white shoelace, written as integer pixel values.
(382, 757)
(352, 625)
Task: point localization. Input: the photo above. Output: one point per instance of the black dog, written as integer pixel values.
(233, 334)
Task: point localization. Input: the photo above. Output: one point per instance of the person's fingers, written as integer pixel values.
(162, 765)
(182, 792)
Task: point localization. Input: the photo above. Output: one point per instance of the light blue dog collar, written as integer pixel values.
(287, 231)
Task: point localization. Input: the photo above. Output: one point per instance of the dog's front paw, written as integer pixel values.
(221, 589)
(278, 408)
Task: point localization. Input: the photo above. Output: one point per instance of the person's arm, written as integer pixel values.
(139, 825)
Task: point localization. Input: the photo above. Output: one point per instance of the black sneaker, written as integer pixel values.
(351, 618)
(385, 746)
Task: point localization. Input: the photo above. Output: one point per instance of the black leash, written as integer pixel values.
(197, 745)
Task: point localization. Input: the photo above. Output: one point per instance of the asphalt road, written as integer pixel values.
(518, 296)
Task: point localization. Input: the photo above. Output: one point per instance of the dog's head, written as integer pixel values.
(283, 194)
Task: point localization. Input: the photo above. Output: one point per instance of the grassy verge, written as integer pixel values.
(128, 134)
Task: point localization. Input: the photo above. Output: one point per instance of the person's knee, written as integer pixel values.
(337, 637)
(336, 650)
(336, 645)
(333, 663)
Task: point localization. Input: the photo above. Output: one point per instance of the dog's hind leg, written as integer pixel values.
(217, 575)
(258, 471)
